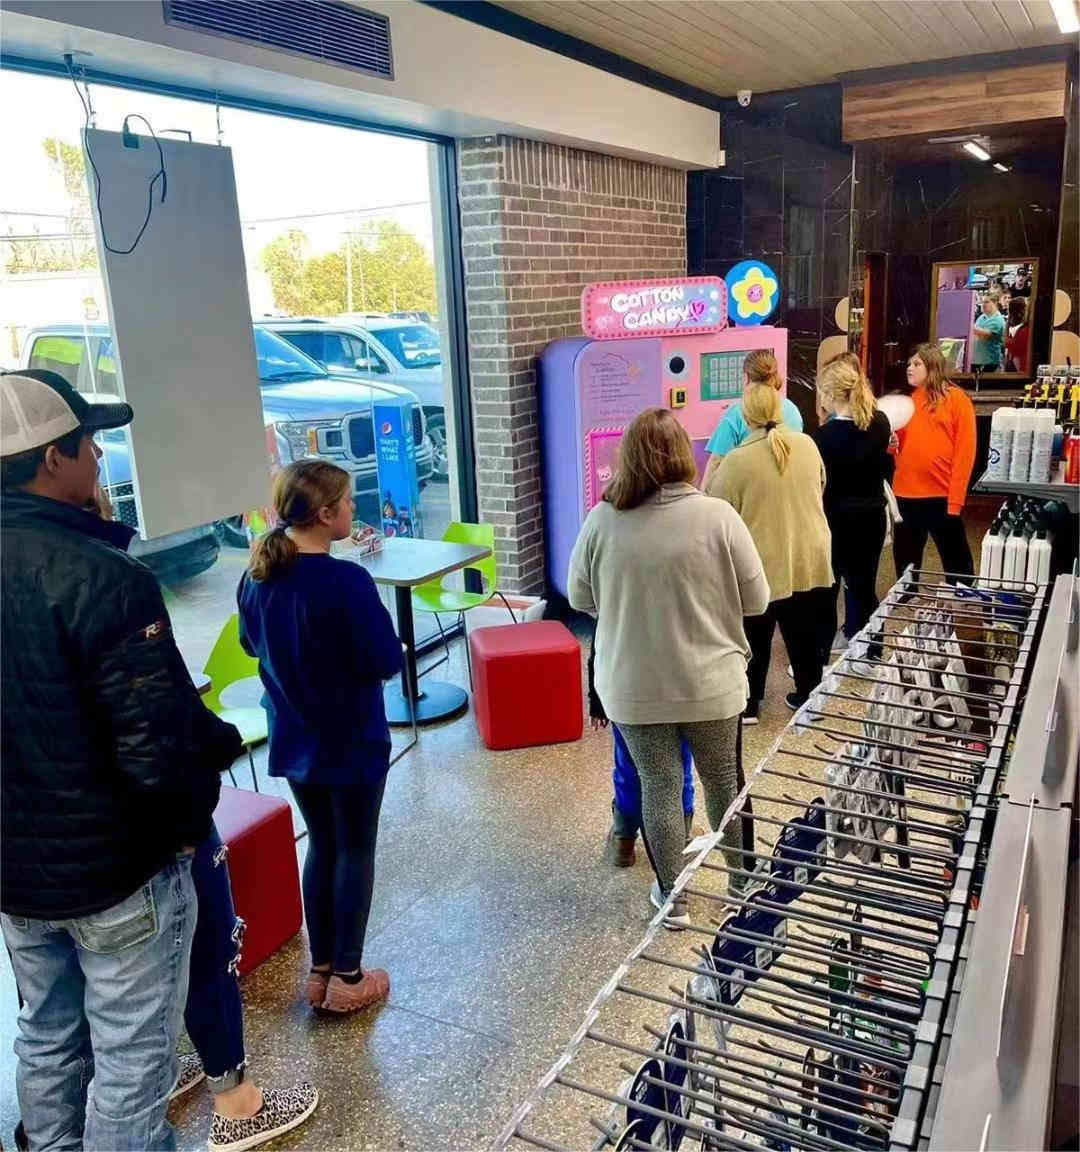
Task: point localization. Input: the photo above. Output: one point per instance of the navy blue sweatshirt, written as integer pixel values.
(325, 644)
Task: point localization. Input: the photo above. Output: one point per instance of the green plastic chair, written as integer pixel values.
(438, 596)
(227, 664)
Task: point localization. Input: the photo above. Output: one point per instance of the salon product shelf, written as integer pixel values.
(1068, 494)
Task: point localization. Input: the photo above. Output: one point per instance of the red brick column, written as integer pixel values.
(539, 221)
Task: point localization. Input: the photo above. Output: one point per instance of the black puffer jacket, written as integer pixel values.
(110, 761)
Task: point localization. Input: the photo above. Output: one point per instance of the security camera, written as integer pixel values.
(744, 96)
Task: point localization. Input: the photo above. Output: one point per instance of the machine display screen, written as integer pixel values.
(721, 375)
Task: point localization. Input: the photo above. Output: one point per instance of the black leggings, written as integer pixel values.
(931, 517)
(858, 536)
(339, 872)
(799, 617)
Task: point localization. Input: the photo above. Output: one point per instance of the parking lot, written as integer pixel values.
(199, 607)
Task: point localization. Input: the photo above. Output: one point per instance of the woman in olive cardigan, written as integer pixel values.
(775, 480)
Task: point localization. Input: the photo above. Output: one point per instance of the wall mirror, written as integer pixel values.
(982, 316)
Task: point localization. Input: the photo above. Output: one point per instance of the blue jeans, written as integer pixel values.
(102, 1001)
(214, 1014)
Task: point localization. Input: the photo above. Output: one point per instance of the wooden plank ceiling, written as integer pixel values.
(725, 45)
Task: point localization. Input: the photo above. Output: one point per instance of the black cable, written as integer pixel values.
(159, 174)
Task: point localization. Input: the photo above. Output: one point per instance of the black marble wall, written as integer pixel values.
(783, 197)
(953, 210)
(1068, 271)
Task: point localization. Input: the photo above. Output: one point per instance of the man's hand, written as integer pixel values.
(597, 723)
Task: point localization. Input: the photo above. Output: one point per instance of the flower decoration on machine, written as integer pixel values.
(753, 292)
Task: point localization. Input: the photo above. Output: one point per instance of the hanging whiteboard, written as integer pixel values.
(181, 325)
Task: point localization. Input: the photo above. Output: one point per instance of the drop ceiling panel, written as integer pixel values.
(724, 45)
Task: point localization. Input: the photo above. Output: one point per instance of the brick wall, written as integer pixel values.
(539, 221)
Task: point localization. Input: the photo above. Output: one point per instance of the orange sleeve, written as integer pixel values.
(964, 450)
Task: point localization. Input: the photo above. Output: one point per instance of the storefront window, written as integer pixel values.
(343, 276)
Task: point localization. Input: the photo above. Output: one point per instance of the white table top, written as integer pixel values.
(405, 562)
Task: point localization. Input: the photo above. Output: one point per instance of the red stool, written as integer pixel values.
(527, 684)
(258, 830)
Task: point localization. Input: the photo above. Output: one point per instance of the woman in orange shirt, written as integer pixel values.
(937, 452)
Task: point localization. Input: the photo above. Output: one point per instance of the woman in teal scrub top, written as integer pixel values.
(759, 367)
(989, 335)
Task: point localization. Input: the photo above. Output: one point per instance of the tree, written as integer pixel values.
(390, 270)
(74, 250)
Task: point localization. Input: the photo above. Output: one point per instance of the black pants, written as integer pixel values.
(799, 619)
(339, 872)
(858, 536)
(931, 517)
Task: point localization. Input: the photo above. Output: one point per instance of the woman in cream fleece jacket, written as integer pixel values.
(669, 573)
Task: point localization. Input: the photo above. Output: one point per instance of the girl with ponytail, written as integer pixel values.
(854, 444)
(774, 480)
(325, 644)
(759, 367)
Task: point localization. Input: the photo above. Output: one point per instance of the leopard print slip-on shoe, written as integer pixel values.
(282, 1109)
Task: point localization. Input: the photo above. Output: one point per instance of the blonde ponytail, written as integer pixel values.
(842, 383)
(762, 409)
(301, 492)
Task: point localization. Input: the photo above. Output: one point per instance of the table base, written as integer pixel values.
(438, 701)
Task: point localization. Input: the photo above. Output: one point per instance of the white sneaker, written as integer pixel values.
(678, 916)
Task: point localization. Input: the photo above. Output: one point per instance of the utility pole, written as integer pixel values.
(348, 272)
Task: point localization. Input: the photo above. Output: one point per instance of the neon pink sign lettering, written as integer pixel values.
(612, 310)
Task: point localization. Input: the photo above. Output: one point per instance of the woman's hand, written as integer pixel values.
(894, 443)
(597, 722)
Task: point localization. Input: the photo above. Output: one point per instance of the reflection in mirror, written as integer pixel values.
(982, 315)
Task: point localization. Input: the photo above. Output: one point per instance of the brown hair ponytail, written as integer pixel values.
(301, 492)
(761, 367)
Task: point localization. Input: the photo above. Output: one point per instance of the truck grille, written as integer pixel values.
(361, 436)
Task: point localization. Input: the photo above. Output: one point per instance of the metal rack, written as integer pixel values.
(805, 1004)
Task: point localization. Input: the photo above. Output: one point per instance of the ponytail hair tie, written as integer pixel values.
(770, 426)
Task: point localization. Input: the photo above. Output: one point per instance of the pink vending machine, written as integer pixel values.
(647, 344)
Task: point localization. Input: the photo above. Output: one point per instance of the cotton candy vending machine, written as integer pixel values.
(676, 343)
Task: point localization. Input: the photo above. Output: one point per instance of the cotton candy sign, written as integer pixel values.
(612, 310)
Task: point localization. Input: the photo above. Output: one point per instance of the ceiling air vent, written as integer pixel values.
(337, 33)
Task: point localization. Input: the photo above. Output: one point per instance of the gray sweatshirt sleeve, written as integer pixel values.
(753, 587)
(579, 589)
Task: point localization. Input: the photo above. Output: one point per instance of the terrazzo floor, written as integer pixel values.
(498, 916)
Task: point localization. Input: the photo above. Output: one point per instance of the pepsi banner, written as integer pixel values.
(395, 460)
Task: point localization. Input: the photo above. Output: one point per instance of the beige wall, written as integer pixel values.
(451, 76)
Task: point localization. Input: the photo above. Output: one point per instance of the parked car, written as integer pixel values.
(311, 412)
(380, 348)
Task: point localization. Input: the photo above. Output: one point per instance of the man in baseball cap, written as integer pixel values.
(111, 770)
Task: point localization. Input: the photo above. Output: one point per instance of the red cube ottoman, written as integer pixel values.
(527, 684)
(258, 830)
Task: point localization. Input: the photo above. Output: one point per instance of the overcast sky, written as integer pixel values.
(283, 167)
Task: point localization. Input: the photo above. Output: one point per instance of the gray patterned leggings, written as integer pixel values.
(657, 751)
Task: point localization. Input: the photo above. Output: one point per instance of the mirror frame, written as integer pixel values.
(974, 263)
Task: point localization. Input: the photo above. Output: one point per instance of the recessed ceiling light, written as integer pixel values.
(976, 151)
(1066, 16)
(1001, 167)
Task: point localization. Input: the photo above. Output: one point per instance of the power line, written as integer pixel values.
(339, 212)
